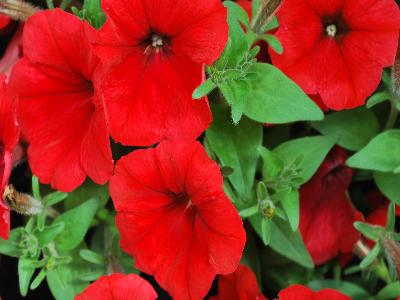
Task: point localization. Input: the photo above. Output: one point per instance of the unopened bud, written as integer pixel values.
(396, 75)
(20, 202)
(265, 13)
(267, 209)
(17, 9)
(392, 249)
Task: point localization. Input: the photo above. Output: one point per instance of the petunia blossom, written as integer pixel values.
(298, 292)
(118, 287)
(326, 212)
(9, 134)
(240, 285)
(60, 109)
(337, 49)
(174, 218)
(155, 58)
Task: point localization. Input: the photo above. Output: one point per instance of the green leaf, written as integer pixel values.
(204, 89)
(272, 165)
(389, 185)
(373, 232)
(381, 154)
(238, 12)
(312, 149)
(77, 222)
(391, 218)
(54, 198)
(348, 288)
(353, 129)
(38, 279)
(372, 255)
(289, 243)
(235, 93)
(262, 227)
(248, 212)
(389, 292)
(236, 146)
(273, 42)
(86, 191)
(276, 99)
(25, 273)
(92, 12)
(10, 247)
(92, 257)
(36, 188)
(291, 205)
(378, 98)
(64, 281)
(49, 233)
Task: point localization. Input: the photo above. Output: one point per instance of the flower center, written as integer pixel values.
(331, 30)
(155, 43)
(156, 40)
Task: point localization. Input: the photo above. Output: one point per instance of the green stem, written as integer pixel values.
(65, 4)
(392, 115)
(50, 4)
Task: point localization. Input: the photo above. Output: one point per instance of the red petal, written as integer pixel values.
(118, 287)
(298, 292)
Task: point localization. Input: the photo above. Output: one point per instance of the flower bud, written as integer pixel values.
(265, 13)
(392, 249)
(17, 9)
(20, 202)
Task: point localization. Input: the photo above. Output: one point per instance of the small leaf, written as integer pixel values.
(391, 217)
(204, 89)
(91, 256)
(248, 212)
(77, 222)
(381, 154)
(38, 279)
(25, 273)
(291, 205)
(391, 291)
(36, 188)
(372, 255)
(378, 98)
(373, 232)
(273, 42)
(49, 233)
(272, 165)
(54, 198)
(237, 11)
(266, 231)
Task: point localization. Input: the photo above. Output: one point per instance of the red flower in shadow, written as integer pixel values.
(240, 285)
(326, 212)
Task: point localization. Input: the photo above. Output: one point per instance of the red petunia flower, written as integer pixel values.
(174, 217)
(157, 55)
(240, 285)
(337, 48)
(60, 109)
(9, 134)
(298, 292)
(118, 287)
(326, 213)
